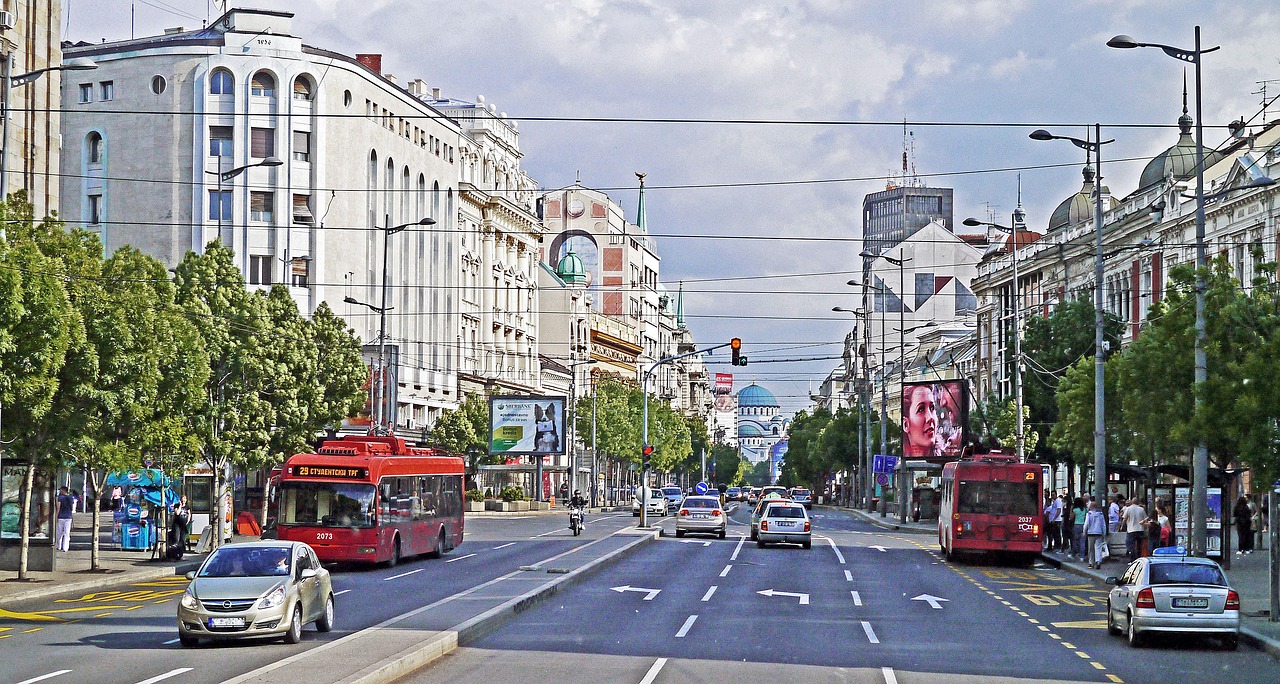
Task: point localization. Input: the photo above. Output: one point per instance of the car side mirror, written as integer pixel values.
(1114, 581)
(307, 573)
(190, 575)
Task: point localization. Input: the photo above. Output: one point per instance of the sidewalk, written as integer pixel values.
(73, 574)
(1249, 575)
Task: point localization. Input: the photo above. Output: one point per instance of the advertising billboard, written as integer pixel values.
(724, 391)
(1182, 519)
(935, 419)
(527, 425)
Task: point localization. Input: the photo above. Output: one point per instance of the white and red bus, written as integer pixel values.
(371, 500)
(991, 505)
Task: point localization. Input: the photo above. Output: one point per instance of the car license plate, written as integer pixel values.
(1191, 603)
(786, 523)
(700, 516)
(226, 622)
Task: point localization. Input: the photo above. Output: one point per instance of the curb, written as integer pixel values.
(1249, 636)
(104, 580)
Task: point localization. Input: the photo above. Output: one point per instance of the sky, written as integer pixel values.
(799, 109)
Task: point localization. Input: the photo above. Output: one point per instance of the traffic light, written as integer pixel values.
(738, 359)
(647, 451)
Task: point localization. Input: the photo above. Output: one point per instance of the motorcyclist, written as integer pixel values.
(580, 502)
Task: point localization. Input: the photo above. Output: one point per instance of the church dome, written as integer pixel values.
(571, 269)
(750, 430)
(756, 396)
(1076, 208)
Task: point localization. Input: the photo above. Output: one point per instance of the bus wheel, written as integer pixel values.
(439, 550)
(395, 552)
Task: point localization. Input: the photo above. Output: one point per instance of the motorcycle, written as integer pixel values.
(575, 520)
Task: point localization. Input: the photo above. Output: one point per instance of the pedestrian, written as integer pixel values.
(1095, 527)
(182, 522)
(1064, 524)
(1133, 516)
(117, 498)
(1078, 511)
(1113, 512)
(1166, 527)
(66, 507)
(1052, 519)
(1244, 525)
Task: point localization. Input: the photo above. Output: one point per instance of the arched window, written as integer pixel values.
(221, 83)
(263, 85)
(302, 89)
(93, 147)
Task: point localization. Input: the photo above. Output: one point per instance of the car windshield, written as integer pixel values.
(671, 491)
(784, 512)
(701, 503)
(800, 492)
(1186, 573)
(326, 504)
(233, 561)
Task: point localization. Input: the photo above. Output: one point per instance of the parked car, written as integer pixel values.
(656, 503)
(784, 522)
(802, 496)
(701, 514)
(1171, 592)
(674, 496)
(255, 590)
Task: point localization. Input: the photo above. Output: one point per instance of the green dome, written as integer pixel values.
(571, 269)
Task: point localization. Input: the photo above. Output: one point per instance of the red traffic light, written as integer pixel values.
(735, 344)
(647, 450)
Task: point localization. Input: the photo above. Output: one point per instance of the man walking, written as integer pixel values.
(1133, 515)
(65, 509)
(1053, 522)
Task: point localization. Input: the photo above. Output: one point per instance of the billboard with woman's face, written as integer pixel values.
(935, 419)
(527, 425)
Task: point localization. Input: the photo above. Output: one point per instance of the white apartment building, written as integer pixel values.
(356, 154)
(31, 146)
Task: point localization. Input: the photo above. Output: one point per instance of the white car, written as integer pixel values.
(656, 505)
(784, 522)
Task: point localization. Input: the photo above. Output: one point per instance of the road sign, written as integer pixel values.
(884, 463)
(882, 479)
(700, 488)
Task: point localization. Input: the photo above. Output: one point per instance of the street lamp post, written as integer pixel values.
(864, 426)
(380, 426)
(1018, 224)
(224, 207)
(900, 262)
(1099, 377)
(10, 82)
(884, 390)
(1200, 456)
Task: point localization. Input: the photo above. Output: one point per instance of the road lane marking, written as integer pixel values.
(451, 560)
(835, 548)
(734, 557)
(857, 598)
(403, 574)
(101, 615)
(1114, 678)
(170, 642)
(504, 546)
(684, 629)
(340, 593)
(649, 593)
(652, 674)
(170, 673)
(133, 607)
(726, 570)
(710, 592)
(33, 629)
(889, 677)
(41, 678)
(871, 635)
(848, 576)
(546, 533)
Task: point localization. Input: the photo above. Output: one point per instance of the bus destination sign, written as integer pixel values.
(339, 472)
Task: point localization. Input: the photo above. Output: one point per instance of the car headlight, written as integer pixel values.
(189, 600)
(272, 598)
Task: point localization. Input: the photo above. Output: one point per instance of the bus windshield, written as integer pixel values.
(998, 497)
(326, 504)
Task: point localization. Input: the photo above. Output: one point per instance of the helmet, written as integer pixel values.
(577, 492)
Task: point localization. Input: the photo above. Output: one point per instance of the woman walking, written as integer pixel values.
(1095, 526)
(1244, 525)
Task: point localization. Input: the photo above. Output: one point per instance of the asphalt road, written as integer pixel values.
(127, 634)
(862, 605)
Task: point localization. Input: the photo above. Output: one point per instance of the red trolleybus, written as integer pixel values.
(991, 505)
(371, 500)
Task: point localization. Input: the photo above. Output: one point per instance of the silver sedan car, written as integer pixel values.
(701, 514)
(259, 589)
(784, 522)
(1173, 593)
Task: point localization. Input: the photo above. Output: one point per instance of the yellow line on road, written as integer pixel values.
(1082, 624)
(102, 614)
(33, 629)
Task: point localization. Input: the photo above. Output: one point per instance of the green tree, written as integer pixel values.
(805, 455)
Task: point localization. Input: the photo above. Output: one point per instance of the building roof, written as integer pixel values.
(571, 269)
(1179, 161)
(755, 395)
(750, 430)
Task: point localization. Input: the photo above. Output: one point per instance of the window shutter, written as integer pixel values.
(302, 209)
(302, 142)
(262, 143)
(259, 201)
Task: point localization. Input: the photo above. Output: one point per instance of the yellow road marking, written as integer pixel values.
(133, 607)
(102, 615)
(1068, 645)
(5, 636)
(164, 601)
(15, 615)
(1115, 679)
(1054, 636)
(1033, 621)
(1082, 654)
(33, 629)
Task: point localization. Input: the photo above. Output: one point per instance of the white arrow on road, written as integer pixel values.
(804, 598)
(881, 548)
(650, 593)
(934, 602)
(695, 541)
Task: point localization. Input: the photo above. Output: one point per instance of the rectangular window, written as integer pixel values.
(299, 269)
(262, 143)
(219, 205)
(259, 270)
(301, 146)
(262, 206)
(86, 92)
(302, 210)
(95, 209)
(107, 91)
(220, 141)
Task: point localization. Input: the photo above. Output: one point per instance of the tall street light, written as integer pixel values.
(1200, 456)
(225, 204)
(884, 390)
(11, 82)
(1019, 223)
(1099, 380)
(902, 358)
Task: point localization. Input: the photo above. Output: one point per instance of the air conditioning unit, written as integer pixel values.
(7, 21)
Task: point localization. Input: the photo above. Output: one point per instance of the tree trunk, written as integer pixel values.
(219, 510)
(266, 497)
(24, 520)
(95, 560)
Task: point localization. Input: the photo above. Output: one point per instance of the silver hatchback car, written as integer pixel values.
(259, 589)
(701, 514)
(784, 522)
(1170, 592)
